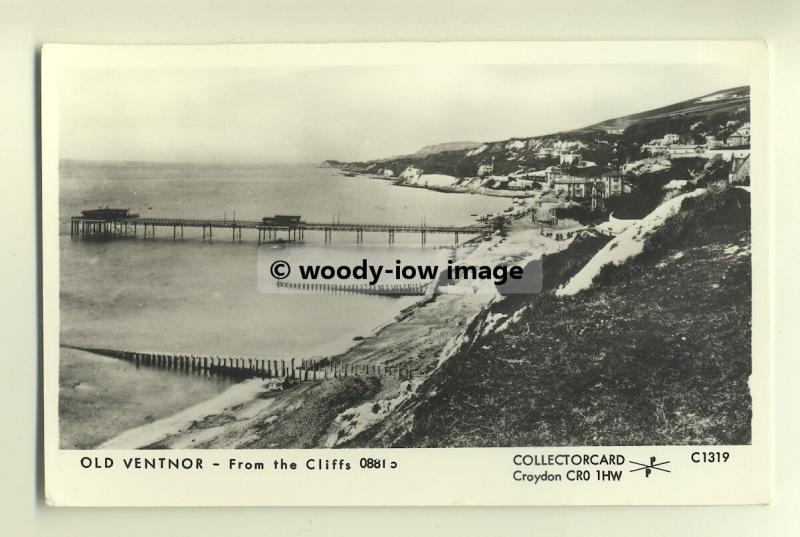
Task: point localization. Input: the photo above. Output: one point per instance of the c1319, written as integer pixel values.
(710, 456)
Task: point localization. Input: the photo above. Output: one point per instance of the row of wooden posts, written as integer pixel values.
(300, 370)
(101, 228)
(383, 289)
(81, 227)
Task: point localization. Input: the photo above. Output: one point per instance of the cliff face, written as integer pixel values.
(614, 141)
(656, 351)
(643, 340)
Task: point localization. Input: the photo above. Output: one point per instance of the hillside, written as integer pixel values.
(449, 146)
(656, 351)
(725, 102)
(612, 142)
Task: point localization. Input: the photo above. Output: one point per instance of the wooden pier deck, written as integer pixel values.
(83, 227)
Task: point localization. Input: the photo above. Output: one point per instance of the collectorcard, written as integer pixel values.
(406, 274)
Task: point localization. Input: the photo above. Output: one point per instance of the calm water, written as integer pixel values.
(202, 297)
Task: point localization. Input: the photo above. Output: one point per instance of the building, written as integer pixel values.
(685, 150)
(574, 187)
(663, 145)
(667, 139)
(485, 170)
(570, 159)
(388, 173)
(586, 184)
(741, 137)
(727, 153)
(520, 183)
(744, 130)
(609, 185)
(411, 173)
(538, 175)
(599, 195)
(736, 140)
(713, 143)
(655, 148)
(544, 209)
(740, 170)
(612, 184)
(107, 214)
(670, 139)
(282, 220)
(551, 173)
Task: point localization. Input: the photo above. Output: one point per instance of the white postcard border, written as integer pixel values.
(465, 476)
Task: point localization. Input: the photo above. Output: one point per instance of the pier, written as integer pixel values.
(115, 225)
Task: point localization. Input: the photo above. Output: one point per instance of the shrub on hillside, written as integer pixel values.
(722, 211)
(583, 214)
(647, 194)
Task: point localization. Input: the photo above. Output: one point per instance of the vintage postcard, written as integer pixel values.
(406, 274)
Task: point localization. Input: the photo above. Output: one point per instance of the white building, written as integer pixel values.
(485, 170)
(685, 150)
(411, 173)
(574, 187)
(727, 153)
(655, 148)
(712, 142)
(570, 158)
(744, 130)
(658, 145)
(741, 137)
(670, 139)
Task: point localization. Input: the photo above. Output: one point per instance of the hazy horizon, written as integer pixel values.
(308, 115)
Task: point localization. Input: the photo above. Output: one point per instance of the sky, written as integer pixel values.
(294, 115)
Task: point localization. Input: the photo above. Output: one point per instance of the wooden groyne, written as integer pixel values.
(301, 370)
(412, 289)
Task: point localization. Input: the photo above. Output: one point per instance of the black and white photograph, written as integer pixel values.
(404, 255)
(399, 268)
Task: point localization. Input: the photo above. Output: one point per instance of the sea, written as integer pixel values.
(202, 296)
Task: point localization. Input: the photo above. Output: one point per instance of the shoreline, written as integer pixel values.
(335, 348)
(481, 191)
(247, 392)
(236, 395)
(421, 336)
(346, 348)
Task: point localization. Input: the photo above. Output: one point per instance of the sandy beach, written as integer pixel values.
(257, 413)
(470, 186)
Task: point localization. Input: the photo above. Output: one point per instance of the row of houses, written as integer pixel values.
(588, 181)
(665, 141)
(670, 144)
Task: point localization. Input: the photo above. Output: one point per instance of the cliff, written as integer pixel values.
(609, 354)
(611, 142)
